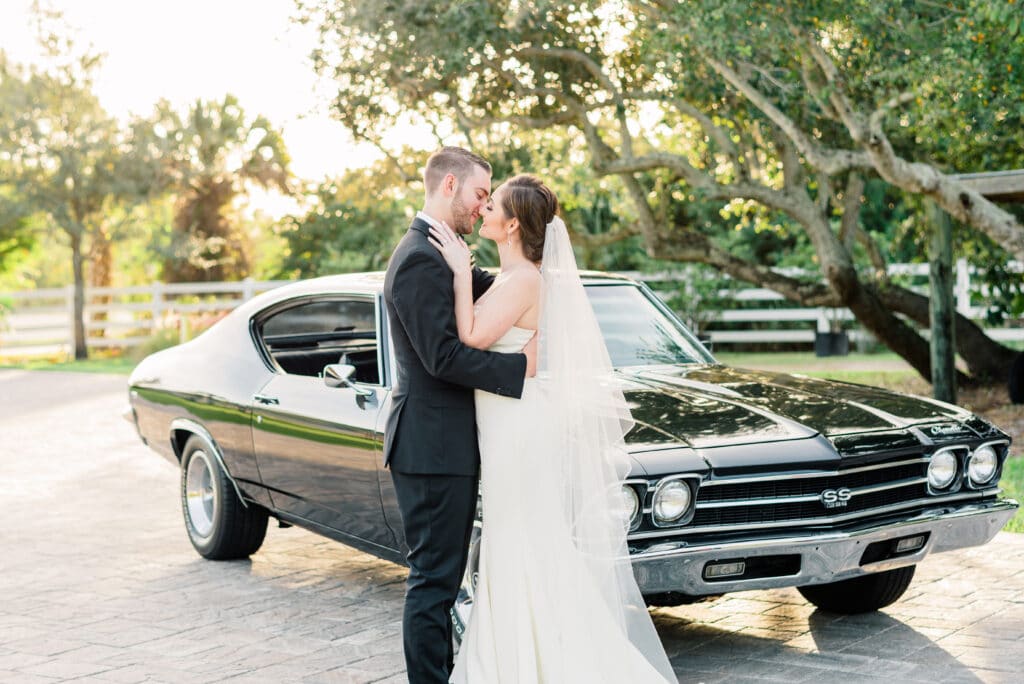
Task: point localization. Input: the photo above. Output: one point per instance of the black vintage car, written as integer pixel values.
(741, 479)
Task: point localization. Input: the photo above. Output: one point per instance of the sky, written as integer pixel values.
(190, 49)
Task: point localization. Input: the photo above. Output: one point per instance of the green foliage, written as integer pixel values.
(65, 159)
(211, 155)
(352, 226)
(164, 338)
(1012, 484)
(16, 238)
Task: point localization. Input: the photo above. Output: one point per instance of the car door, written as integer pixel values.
(316, 446)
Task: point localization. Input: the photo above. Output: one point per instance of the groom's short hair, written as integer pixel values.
(453, 160)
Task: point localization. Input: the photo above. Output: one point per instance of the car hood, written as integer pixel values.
(715, 406)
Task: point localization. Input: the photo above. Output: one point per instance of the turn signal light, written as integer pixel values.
(713, 570)
(910, 543)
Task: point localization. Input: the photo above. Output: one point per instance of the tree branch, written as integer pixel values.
(599, 75)
(716, 133)
(828, 161)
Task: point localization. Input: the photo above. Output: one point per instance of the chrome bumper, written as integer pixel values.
(824, 557)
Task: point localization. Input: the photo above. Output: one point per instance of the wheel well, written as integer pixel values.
(178, 440)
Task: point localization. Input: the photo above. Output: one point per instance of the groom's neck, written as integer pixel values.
(437, 210)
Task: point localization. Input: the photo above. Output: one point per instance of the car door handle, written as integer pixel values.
(263, 399)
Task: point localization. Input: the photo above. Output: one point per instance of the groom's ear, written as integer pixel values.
(449, 184)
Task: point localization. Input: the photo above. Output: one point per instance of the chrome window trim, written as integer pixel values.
(257, 318)
(805, 498)
(975, 494)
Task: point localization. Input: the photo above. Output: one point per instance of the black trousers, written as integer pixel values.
(437, 514)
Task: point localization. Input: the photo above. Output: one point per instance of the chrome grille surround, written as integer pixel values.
(778, 501)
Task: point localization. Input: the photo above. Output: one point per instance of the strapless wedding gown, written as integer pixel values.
(536, 615)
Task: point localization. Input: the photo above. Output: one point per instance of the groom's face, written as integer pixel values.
(469, 199)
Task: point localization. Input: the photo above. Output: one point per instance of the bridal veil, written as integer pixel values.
(589, 453)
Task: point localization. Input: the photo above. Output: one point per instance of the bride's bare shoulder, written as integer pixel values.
(526, 275)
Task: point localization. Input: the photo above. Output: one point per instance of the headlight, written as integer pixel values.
(630, 505)
(942, 469)
(671, 501)
(982, 466)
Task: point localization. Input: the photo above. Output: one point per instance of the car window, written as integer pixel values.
(637, 332)
(322, 317)
(303, 338)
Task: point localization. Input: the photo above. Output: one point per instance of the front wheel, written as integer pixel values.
(463, 606)
(219, 525)
(860, 594)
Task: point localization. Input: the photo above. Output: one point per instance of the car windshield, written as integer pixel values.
(639, 332)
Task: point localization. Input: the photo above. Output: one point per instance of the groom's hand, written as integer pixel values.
(531, 356)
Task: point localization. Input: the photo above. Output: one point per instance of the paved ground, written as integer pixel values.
(99, 583)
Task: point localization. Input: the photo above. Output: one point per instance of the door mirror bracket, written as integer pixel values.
(340, 375)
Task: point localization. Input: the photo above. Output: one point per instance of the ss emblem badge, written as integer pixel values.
(836, 498)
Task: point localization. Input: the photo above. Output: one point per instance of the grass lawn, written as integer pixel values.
(1012, 484)
(118, 364)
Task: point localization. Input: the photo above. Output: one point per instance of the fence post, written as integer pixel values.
(823, 325)
(963, 287)
(248, 289)
(156, 306)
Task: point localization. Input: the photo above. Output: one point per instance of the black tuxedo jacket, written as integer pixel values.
(432, 425)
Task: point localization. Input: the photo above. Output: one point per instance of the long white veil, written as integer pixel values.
(592, 420)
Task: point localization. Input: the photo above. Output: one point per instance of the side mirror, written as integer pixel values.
(340, 375)
(705, 339)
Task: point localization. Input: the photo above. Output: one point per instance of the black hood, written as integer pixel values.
(712, 406)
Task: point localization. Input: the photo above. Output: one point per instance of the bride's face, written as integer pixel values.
(496, 224)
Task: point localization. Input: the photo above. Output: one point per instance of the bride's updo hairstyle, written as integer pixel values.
(526, 199)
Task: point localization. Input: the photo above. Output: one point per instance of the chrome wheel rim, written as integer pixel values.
(201, 502)
(463, 606)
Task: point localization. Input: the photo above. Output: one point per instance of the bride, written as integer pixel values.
(556, 600)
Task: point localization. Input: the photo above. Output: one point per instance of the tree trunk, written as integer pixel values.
(101, 270)
(987, 361)
(81, 351)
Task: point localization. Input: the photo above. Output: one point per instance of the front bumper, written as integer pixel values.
(816, 557)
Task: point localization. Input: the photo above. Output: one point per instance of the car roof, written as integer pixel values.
(374, 280)
(372, 283)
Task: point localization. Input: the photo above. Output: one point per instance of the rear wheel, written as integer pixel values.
(219, 525)
(860, 594)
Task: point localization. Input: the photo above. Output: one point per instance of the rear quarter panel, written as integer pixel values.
(210, 380)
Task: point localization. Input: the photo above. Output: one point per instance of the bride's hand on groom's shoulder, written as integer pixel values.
(452, 247)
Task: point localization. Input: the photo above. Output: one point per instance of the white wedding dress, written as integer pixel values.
(539, 614)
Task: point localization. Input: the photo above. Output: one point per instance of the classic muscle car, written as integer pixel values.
(740, 479)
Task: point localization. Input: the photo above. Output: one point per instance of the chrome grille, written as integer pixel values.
(797, 497)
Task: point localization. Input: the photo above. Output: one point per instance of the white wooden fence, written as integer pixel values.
(40, 322)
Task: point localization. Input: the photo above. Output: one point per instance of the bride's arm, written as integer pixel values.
(499, 311)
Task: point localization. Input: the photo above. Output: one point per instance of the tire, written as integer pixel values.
(1015, 383)
(463, 606)
(860, 594)
(219, 525)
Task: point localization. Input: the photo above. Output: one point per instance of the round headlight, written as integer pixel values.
(630, 505)
(982, 466)
(671, 501)
(942, 470)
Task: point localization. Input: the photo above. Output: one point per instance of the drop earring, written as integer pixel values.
(509, 234)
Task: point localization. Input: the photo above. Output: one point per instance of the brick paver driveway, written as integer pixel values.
(99, 583)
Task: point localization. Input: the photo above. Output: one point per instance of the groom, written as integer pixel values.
(430, 442)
